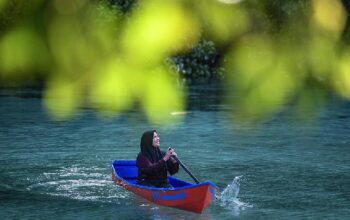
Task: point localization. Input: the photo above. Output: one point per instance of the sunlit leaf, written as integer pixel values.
(22, 51)
(341, 78)
(104, 24)
(223, 21)
(157, 29)
(329, 15)
(161, 97)
(262, 77)
(322, 56)
(251, 61)
(111, 90)
(61, 97)
(70, 47)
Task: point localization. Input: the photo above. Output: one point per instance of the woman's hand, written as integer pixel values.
(170, 152)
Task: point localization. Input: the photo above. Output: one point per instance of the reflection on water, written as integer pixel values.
(155, 211)
(161, 213)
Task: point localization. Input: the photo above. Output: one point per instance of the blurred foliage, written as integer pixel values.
(111, 55)
(199, 65)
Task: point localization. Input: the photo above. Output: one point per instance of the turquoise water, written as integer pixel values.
(280, 169)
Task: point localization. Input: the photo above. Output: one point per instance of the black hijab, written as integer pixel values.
(152, 153)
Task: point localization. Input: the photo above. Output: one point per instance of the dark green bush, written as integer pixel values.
(199, 65)
(124, 5)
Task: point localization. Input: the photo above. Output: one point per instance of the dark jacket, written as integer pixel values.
(152, 169)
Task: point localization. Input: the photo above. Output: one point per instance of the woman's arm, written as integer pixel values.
(173, 165)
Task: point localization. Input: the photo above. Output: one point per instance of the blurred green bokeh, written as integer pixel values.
(92, 53)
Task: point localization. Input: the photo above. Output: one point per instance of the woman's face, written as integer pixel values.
(156, 139)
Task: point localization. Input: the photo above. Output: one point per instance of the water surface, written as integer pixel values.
(284, 169)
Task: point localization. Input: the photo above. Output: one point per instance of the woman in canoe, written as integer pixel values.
(153, 164)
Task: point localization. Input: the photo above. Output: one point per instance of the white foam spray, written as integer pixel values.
(229, 199)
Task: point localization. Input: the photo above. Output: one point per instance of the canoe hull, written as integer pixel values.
(191, 197)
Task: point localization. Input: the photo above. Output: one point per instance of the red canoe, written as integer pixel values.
(184, 195)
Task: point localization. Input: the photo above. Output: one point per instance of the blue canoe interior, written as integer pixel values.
(127, 170)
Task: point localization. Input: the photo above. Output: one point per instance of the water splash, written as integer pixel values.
(229, 197)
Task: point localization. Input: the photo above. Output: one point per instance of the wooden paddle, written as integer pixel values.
(186, 169)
